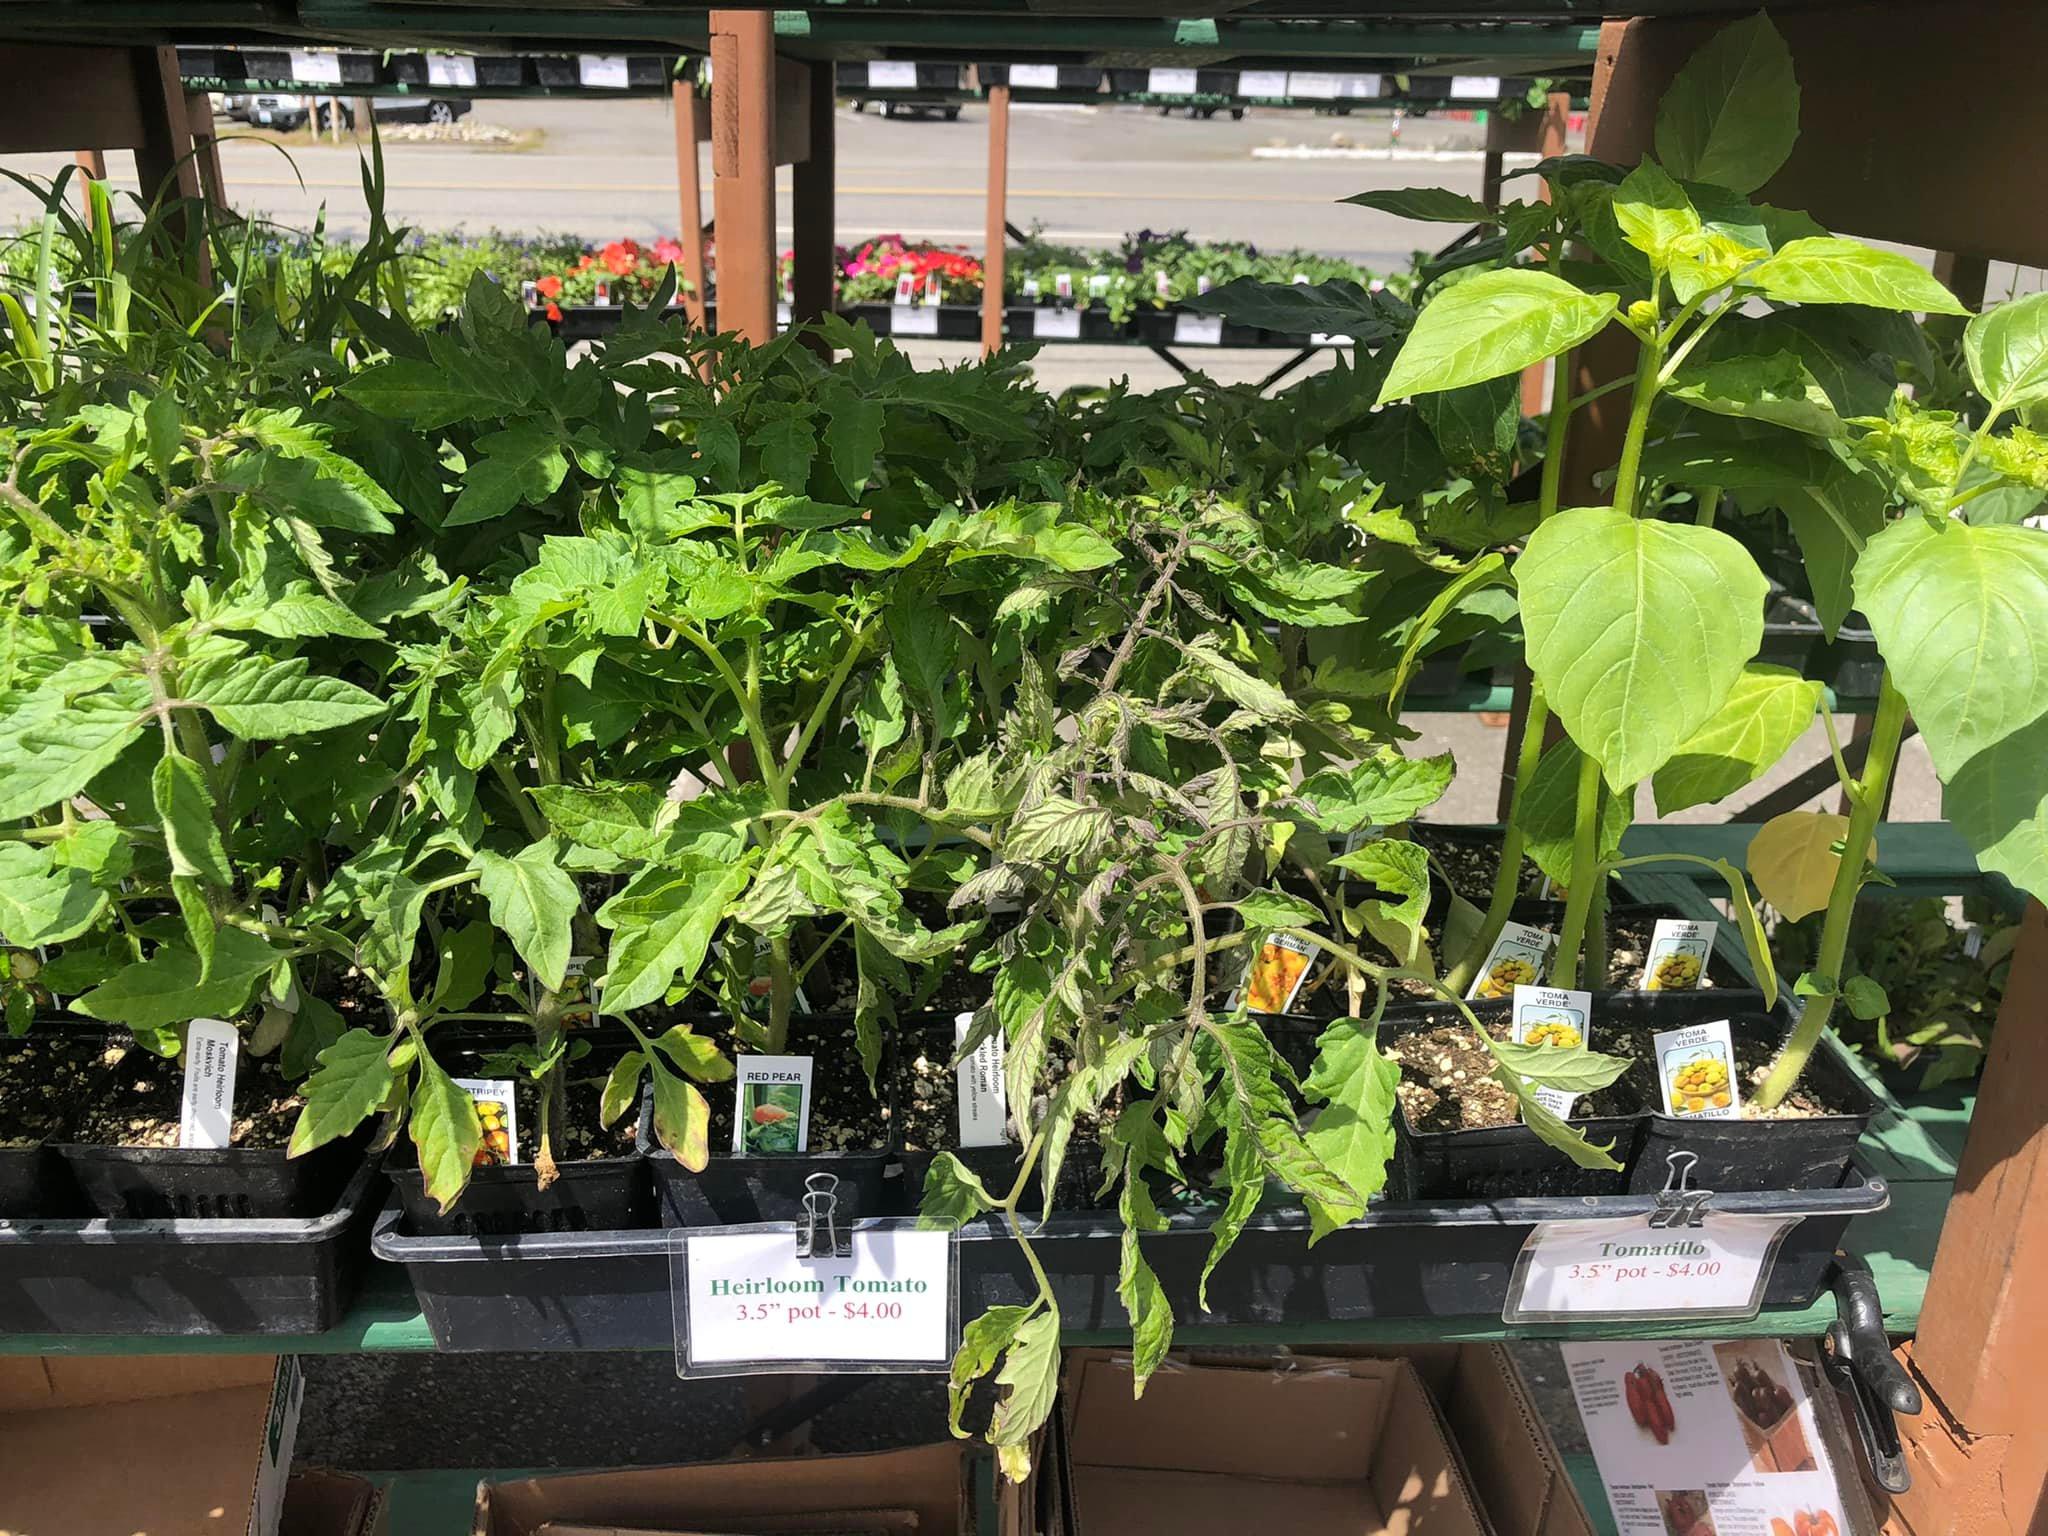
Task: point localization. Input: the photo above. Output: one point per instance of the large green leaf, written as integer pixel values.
(42, 902)
(1767, 710)
(1636, 629)
(533, 902)
(445, 1131)
(1382, 791)
(1998, 801)
(1775, 389)
(165, 989)
(54, 749)
(1732, 114)
(353, 1079)
(521, 465)
(1495, 323)
(627, 820)
(662, 925)
(184, 809)
(1827, 269)
(1353, 1133)
(1547, 812)
(1339, 307)
(1145, 1303)
(682, 1118)
(1654, 213)
(436, 395)
(1435, 205)
(1833, 516)
(2007, 349)
(1961, 617)
(259, 699)
(1399, 869)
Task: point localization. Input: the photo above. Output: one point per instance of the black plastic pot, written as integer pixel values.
(1734, 1155)
(35, 1180)
(358, 67)
(187, 1278)
(223, 64)
(503, 69)
(1849, 664)
(956, 322)
(212, 1184)
(604, 1194)
(564, 71)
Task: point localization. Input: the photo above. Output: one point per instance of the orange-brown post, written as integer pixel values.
(92, 166)
(206, 146)
(812, 191)
(1549, 143)
(689, 201)
(743, 170)
(994, 247)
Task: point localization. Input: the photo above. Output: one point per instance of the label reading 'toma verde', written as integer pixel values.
(1553, 1017)
(1696, 1072)
(1516, 960)
(772, 1105)
(1678, 954)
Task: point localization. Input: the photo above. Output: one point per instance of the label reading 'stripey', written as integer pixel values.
(1274, 978)
(984, 1100)
(1678, 955)
(498, 1113)
(212, 1051)
(1516, 960)
(772, 1095)
(1560, 1020)
(1696, 1072)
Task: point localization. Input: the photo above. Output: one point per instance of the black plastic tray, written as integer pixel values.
(213, 1183)
(611, 1290)
(1733, 1154)
(956, 322)
(602, 1194)
(182, 1278)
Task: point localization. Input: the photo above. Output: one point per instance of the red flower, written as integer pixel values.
(621, 257)
(667, 251)
(554, 310)
(585, 262)
(549, 287)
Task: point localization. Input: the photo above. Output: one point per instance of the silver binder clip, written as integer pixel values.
(821, 1220)
(1679, 1204)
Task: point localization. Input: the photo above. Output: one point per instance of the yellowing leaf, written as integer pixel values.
(1792, 858)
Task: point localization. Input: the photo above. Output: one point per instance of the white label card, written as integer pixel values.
(1313, 85)
(1056, 324)
(498, 1113)
(1262, 82)
(1198, 330)
(747, 1298)
(772, 1105)
(1035, 77)
(893, 74)
(311, 68)
(604, 70)
(1678, 954)
(451, 69)
(984, 1098)
(1475, 87)
(1620, 1268)
(1696, 1071)
(1516, 960)
(212, 1052)
(913, 320)
(1551, 1016)
(1170, 82)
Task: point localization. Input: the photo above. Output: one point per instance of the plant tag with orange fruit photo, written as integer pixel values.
(1560, 1020)
(773, 1099)
(1277, 972)
(1696, 1072)
(1678, 955)
(1516, 960)
(498, 1113)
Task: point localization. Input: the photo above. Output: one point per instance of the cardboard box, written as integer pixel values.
(172, 1445)
(1466, 1452)
(926, 1489)
(1229, 1445)
(325, 1503)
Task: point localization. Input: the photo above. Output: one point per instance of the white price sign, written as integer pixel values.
(451, 69)
(607, 71)
(1570, 1271)
(1198, 330)
(310, 68)
(1170, 82)
(1056, 324)
(893, 74)
(1035, 77)
(913, 320)
(1475, 87)
(744, 1299)
(1262, 82)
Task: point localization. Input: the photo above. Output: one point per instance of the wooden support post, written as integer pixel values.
(811, 204)
(743, 170)
(1963, 276)
(998, 226)
(1550, 142)
(689, 201)
(1490, 169)
(206, 147)
(163, 159)
(92, 166)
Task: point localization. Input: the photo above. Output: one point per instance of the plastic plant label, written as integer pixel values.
(906, 287)
(913, 320)
(760, 980)
(1162, 285)
(1275, 977)
(1263, 82)
(1063, 284)
(1203, 284)
(1475, 87)
(451, 69)
(1031, 289)
(983, 1097)
(782, 315)
(1170, 82)
(1098, 284)
(579, 995)
(1300, 279)
(1696, 1436)
(1056, 324)
(892, 74)
(743, 1298)
(498, 1113)
(1329, 339)
(1696, 1072)
(601, 294)
(1678, 955)
(772, 1099)
(314, 68)
(1625, 1268)
(1035, 77)
(606, 71)
(934, 288)
(1198, 330)
(1517, 959)
(212, 1052)
(1551, 1016)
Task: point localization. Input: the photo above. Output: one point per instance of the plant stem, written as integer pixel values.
(1586, 875)
(1630, 470)
(1887, 729)
(1507, 883)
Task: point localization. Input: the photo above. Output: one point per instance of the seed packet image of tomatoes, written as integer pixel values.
(1277, 972)
(774, 1105)
(497, 1114)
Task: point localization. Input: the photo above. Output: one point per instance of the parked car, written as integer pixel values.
(269, 109)
(402, 109)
